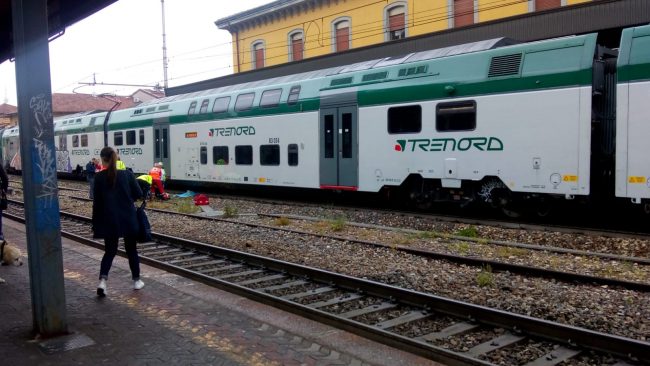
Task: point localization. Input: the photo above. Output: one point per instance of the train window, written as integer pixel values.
(150, 109)
(163, 107)
(456, 116)
(406, 119)
(92, 121)
(204, 155)
(141, 135)
(244, 155)
(157, 143)
(130, 137)
(293, 95)
(270, 155)
(84, 140)
(192, 108)
(204, 106)
(292, 154)
(220, 155)
(164, 143)
(244, 102)
(221, 105)
(75, 140)
(118, 139)
(270, 98)
(329, 135)
(63, 143)
(346, 141)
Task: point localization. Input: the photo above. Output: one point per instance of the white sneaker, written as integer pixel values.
(101, 288)
(137, 285)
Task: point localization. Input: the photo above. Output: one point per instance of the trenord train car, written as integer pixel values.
(489, 121)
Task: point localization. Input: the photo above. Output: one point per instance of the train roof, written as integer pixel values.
(360, 66)
(79, 122)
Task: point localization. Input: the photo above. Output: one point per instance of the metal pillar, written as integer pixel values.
(39, 166)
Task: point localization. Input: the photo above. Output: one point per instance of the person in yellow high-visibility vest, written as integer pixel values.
(144, 181)
(120, 164)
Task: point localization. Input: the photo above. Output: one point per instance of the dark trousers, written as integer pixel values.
(145, 188)
(91, 181)
(110, 250)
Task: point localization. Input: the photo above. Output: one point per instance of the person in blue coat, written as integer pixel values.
(114, 216)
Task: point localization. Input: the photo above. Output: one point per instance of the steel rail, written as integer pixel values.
(570, 277)
(426, 305)
(530, 226)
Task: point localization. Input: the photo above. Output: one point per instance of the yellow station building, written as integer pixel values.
(291, 30)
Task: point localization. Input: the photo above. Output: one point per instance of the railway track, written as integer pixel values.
(381, 312)
(447, 218)
(496, 265)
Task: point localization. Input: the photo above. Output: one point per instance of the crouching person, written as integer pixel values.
(144, 181)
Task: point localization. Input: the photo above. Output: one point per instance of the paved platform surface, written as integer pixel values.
(172, 321)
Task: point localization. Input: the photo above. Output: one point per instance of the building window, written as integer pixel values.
(540, 5)
(296, 45)
(270, 155)
(456, 116)
(220, 155)
(341, 34)
(395, 21)
(406, 119)
(130, 137)
(257, 57)
(244, 155)
(463, 12)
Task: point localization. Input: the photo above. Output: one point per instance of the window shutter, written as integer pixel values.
(343, 39)
(547, 4)
(463, 12)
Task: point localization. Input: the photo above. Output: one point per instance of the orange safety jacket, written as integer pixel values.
(155, 173)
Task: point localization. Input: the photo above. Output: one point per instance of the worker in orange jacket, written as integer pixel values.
(156, 181)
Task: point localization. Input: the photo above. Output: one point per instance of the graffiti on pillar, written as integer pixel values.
(43, 158)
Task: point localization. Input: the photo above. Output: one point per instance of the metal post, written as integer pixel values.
(162, 3)
(39, 166)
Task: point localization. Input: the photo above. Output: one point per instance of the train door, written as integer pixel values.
(161, 146)
(339, 152)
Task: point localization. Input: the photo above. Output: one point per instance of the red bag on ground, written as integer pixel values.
(201, 200)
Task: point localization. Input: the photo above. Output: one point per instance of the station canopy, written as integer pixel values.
(61, 14)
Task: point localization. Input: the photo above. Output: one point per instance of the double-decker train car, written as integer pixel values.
(490, 121)
(633, 116)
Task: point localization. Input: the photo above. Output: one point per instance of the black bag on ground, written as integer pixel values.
(144, 228)
(3, 201)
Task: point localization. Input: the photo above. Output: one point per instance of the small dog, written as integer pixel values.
(9, 255)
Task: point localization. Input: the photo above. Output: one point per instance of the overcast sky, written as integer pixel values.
(123, 44)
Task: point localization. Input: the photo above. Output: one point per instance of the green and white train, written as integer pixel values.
(488, 121)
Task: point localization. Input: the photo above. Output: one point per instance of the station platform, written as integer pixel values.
(172, 321)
